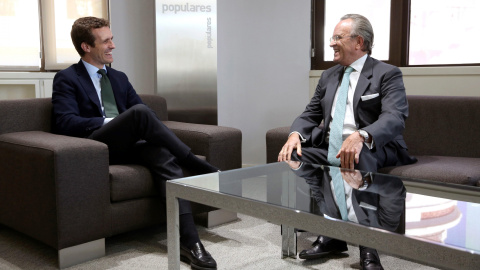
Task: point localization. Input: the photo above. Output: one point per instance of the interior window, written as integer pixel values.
(444, 33)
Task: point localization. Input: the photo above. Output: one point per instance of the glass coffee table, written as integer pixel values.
(423, 221)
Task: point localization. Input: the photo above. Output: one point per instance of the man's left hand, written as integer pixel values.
(350, 151)
(353, 178)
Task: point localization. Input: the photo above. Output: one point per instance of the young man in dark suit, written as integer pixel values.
(92, 100)
(371, 110)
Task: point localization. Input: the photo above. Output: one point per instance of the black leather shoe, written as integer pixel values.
(369, 259)
(322, 247)
(197, 166)
(198, 257)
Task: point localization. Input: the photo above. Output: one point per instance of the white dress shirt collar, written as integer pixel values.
(358, 64)
(92, 70)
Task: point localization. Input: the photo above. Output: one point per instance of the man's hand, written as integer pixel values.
(350, 151)
(353, 178)
(292, 143)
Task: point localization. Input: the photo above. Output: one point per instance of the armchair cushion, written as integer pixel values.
(218, 144)
(455, 170)
(128, 182)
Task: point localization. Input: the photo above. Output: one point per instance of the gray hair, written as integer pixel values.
(361, 27)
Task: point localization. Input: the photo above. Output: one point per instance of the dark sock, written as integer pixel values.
(197, 165)
(188, 231)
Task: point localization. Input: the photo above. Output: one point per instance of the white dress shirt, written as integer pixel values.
(349, 125)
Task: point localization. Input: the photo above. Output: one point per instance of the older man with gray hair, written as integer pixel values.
(362, 106)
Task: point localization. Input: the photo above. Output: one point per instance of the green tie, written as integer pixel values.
(336, 126)
(109, 104)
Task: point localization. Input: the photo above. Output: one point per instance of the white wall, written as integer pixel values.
(263, 61)
(263, 67)
(133, 28)
(442, 81)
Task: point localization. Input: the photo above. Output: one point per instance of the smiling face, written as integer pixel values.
(101, 54)
(348, 48)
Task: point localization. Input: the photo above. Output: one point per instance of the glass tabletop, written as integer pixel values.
(413, 207)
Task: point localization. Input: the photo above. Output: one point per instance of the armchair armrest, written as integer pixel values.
(276, 138)
(54, 188)
(222, 146)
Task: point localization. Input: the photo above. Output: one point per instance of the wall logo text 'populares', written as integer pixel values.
(185, 8)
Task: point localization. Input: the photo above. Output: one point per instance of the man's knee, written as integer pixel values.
(311, 155)
(140, 108)
(140, 111)
(367, 161)
(295, 156)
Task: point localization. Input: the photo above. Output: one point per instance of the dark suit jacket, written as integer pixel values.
(76, 107)
(383, 117)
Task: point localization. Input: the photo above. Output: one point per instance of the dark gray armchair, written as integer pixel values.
(441, 132)
(61, 190)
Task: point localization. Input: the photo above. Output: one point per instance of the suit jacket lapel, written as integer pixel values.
(362, 84)
(332, 87)
(88, 86)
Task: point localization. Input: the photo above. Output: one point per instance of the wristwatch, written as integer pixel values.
(364, 134)
(367, 179)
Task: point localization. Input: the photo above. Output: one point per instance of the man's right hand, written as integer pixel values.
(292, 143)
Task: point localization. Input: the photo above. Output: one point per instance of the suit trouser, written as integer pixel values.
(137, 136)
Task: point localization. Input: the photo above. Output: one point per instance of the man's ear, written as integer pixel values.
(85, 47)
(359, 45)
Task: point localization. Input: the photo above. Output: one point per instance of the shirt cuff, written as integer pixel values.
(106, 120)
(370, 145)
(301, 164)
(301, 137)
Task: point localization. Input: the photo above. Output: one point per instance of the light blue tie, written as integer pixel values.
(339, 187)
(336, 126)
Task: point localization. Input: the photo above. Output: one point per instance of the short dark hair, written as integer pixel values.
(361, 27)
(82, 31)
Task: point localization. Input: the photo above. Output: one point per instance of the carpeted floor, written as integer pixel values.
(248, 243)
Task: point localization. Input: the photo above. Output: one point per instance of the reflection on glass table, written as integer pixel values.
(372, 200)
(381, 201)
(368, 199)
(445, 221)
(421, 220)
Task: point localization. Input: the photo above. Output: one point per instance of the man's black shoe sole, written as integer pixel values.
(320, 255)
